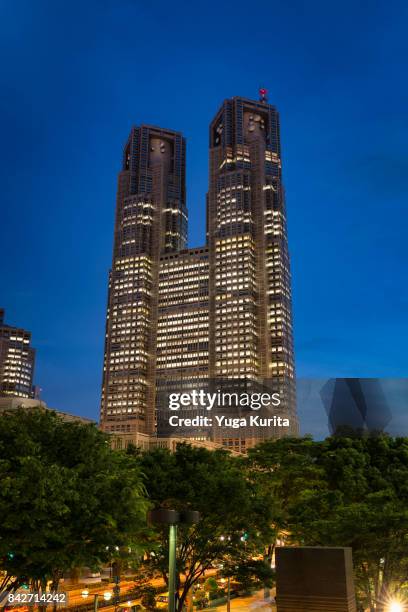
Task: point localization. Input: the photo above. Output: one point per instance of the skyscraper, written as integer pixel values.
(151, 219)
(16, 361)
(182, 318)
(251, 337)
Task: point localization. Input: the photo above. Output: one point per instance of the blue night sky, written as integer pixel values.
(76, 75)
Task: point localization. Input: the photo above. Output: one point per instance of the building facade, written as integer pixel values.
(181, 319)
(17, 360)
(183, 330)
(151, 219)
(251, 336)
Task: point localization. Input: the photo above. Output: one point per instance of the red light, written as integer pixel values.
(263, 92)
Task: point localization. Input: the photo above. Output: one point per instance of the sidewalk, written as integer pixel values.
(255, 602)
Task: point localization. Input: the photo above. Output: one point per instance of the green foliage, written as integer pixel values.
(200, 599)
(211, 584)
(149, 598)
(65, 496)
(67, 500)
(344, 492)
(254, 574)
(216, 484)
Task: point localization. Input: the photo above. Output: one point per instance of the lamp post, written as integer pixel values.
(106, 595)
(116, 590)
(244, 539)
(228, 591)
(115, 550)
(172, 518)
(229, 594)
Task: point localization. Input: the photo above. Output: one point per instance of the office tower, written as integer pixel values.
(151, 219)
(16, 361)
(250, 285)
(217, 316)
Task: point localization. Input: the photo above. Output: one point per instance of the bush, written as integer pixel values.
(149, 598)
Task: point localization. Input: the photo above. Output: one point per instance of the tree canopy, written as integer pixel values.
(344, 492)
(65, 498)
(235, 520)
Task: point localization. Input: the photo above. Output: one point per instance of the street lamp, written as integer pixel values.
(244, 539)
(395, 606)
(112, 550)
(228, 591)
(106, 595)
(163, 516)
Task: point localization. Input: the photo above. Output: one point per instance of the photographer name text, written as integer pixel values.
(219, 400)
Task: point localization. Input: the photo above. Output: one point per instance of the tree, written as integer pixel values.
(66, 498)
(149, 598)
(253, 575)
(354, 493)
(215, 484)
(284, 469)
(211, 586)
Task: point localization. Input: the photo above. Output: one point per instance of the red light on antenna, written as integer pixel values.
(263, 92)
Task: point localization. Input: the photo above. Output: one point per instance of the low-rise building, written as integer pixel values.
(8, 404)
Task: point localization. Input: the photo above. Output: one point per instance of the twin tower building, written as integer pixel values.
(212, 317)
